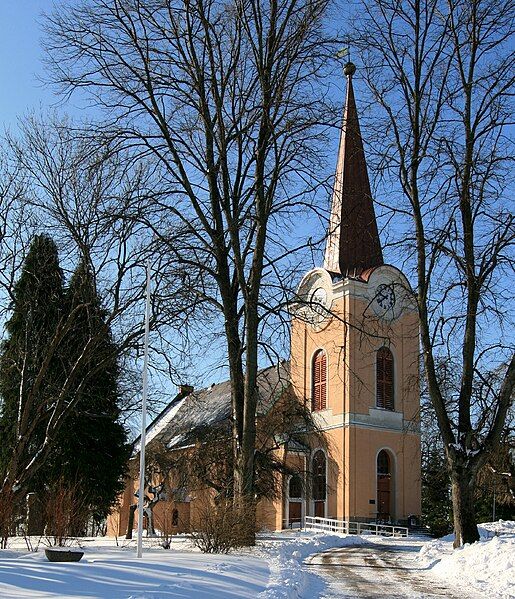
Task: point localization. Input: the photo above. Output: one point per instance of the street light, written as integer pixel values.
(141, 492)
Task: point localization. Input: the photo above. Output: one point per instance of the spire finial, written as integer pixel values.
(349, 69)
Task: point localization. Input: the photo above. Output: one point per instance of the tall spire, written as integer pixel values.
(353, 243)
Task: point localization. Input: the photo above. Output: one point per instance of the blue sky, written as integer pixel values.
(21, 66)
(20, 59)
(22, 69)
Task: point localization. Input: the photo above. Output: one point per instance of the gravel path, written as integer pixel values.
(380, 570)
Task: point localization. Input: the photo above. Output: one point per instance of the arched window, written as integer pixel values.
(384, 378)
(175, 517)
(383, 463)
(319, 381)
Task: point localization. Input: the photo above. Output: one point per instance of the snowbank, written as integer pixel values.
(288, 578)
(505, 528)
(488, 565)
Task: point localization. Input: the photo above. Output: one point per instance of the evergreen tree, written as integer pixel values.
(436, 493)
(36, 311)
(92, 452)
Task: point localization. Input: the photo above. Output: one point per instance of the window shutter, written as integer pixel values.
(323, 381)
(319, 385)
(388, 381)
(385, 382)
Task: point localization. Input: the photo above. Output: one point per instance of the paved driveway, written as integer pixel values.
(380, 570)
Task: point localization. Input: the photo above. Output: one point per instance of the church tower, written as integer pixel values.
(354, 358)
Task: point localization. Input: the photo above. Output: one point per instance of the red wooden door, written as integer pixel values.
(383, 496)
(320, 509)
(294, 512)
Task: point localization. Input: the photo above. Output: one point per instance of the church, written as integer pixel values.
(354, 363)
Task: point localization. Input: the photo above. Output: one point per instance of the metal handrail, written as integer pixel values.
(350, 527)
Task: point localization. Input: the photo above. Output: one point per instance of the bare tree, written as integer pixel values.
(226, 98)
(73, 188)
(440, 72)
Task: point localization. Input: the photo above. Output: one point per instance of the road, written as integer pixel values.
(380, 570)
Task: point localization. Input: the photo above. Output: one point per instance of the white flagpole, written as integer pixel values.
(141, 492)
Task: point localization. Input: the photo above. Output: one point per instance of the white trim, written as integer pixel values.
(393, 480)
(376, 418)
(373, 427)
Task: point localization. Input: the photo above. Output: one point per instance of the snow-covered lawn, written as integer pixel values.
(272, 570)
(115, 572)
(487, 566)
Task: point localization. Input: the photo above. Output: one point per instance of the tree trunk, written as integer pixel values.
(245, 508)
(130, 523)
(462, 484)
(149, 513)
(244, 501)
(6, 516)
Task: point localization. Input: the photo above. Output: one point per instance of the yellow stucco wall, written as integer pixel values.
(355, 428)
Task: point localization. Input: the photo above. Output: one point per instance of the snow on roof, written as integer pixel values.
(210, 406)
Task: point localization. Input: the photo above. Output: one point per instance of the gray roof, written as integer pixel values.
(183, 418)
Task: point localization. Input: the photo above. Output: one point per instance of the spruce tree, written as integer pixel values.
(436, 493)
(92, 451)
(36, 311)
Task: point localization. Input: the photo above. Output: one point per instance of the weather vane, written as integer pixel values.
(349, 68)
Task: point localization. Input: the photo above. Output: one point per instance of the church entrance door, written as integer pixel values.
(319, 509)
(295, 501)
(295, 514)
(384, 478)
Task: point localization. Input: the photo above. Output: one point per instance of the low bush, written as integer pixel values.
(221, 527)
(65, 515)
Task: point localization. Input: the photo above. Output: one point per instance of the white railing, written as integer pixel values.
(349, 527)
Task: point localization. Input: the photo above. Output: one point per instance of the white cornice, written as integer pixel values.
(376, 419)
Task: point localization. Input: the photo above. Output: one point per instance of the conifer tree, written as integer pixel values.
(36, 311)
(436, 493)
(92, 450)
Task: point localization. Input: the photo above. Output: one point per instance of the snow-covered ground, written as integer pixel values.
(272, 570)
(288, 578)
(111, 572)
(487, 566)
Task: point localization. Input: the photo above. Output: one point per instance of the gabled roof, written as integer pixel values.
(353, 243)
(185, 416)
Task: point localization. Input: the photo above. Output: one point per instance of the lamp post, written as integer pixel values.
(141, 492)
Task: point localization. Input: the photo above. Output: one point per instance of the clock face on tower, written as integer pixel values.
(389, 293)
(318, 301)
(385, 297)
(315, 295)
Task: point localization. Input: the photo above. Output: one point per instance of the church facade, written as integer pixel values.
(354, 358)
(354, 362)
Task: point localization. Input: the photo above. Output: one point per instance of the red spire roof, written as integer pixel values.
(353, 243)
